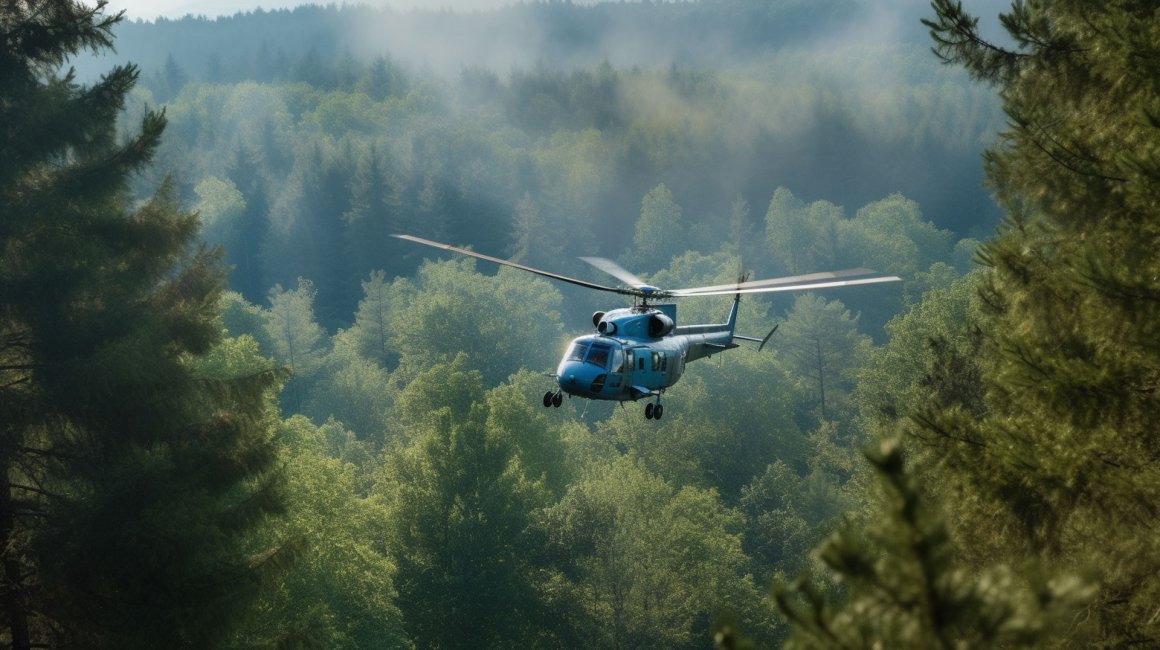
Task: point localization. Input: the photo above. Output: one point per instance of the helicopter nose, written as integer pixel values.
(574, 378)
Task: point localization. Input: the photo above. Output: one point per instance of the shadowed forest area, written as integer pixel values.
(234, 412)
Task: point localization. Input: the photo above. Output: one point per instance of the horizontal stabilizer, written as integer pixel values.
(762, 341)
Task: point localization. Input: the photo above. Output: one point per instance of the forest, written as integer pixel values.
(235, 412)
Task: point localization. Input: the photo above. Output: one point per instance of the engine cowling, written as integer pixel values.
(659, 325)
(596, 319)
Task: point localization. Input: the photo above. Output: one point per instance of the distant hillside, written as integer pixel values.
(555, 34)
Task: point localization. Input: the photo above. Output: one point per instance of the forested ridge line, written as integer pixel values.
(302, 165)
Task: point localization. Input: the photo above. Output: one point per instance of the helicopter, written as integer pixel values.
(638, 352)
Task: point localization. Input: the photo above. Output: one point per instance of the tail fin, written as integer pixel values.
(731, 324)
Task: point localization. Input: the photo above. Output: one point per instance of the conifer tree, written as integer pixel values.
(1072, 347)
(130, 474)
(1056, 466)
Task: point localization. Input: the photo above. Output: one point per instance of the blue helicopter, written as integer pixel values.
(637, 352)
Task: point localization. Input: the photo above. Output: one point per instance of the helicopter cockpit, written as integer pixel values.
(608, 355)
(591, 364)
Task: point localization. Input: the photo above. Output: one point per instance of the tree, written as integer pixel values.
(171, 79)
(649, 563)
(458, 506)
(253, 223)
(374, 215)
(375, 317)
(354, 391)
(453, 309)
(534, 243)
(134, 470)
(220, 206)
(308, 241)
(297, 338)
(1068, 310)
(803, 238)
(822, 347)
(907, 588)
(659, 230)
(1053, 467)
(340, 594)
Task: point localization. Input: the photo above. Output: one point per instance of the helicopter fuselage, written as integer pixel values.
(638, 353)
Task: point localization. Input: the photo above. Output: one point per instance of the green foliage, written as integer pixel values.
(295, 336)
(1069, 332)
(375, 317)
(340, 591)
(802, 238)
(354, 389)
(135, 444)
(429, 499)
(458, 503)
(904, 588)
(650, 562)
(659, 230)
(899, 377)
(1037, 413)
(821, 345)
(491, 319)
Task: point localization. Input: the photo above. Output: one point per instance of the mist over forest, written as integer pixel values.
(541, 103)
(236, 412)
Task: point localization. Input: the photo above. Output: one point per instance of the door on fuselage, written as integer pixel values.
(649, 368)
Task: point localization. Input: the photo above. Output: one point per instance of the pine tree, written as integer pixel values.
(132, 473)
(246, 277)
(1064, 459)
(1053, 469)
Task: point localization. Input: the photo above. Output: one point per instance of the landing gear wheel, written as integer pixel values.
(548, 396)
(660, 408)
(557, 399)
(648, 411)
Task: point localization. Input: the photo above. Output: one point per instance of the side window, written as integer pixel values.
(598, 356)
(656, 361)
(617, 360)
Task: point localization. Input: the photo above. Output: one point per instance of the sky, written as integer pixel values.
(152, 9)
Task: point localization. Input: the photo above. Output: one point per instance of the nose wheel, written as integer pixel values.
(653, 411)
(553, 399)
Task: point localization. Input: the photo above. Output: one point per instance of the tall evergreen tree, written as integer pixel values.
(130, 473)
(1073, 343)
(253, 227)
(376, 203)
(1056, 467)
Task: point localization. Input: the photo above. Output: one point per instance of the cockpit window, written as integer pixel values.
(577, 351)
(599, 355)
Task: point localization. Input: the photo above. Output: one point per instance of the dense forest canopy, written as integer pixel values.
(307, 433)
(289, 130)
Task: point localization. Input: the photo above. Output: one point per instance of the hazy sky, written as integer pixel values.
(150, 9)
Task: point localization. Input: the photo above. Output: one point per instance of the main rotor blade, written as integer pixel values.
(617, 271)
(801, 286)
(752, 284)
(514, 265)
